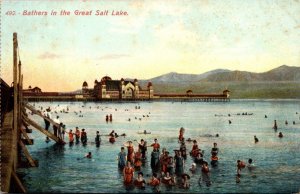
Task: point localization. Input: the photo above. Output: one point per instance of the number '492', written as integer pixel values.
(10, 13)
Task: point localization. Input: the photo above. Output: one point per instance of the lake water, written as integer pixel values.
(277, 161)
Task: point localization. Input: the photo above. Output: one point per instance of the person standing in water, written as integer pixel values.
(179, 163)
(122, 159)
(71, 136)
(154, 182)
(155, 144)
(77, 134)
(182, 149)
(185, 182)
(275, 127)
(195, 149)
(83, 137)
(130, 151)
(155, 159)
(138, 159)
(181, 133)
(97, 138)
(215, 149)
(143, 148)
(55, 126)
(63, 131)
(47, 115)
(140, 181)
(128, 173)
(240, 166)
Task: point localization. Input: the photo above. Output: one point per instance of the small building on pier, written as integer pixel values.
(33, 90)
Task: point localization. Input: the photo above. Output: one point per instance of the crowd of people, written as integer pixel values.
(166, 169)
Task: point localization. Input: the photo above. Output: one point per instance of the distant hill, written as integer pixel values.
(281, 82)
(282, 73)
(180, 77)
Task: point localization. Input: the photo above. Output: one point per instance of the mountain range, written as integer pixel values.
(282, 73)
(281, 82)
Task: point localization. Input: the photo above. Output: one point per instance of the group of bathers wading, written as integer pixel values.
(166, 169)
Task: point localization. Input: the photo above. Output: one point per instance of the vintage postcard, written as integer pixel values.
(148, 96)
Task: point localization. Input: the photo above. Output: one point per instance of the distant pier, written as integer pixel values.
(55, 96)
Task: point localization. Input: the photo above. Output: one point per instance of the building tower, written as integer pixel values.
(85, 88)
(150, 89)
(122, 89)
(136, 89)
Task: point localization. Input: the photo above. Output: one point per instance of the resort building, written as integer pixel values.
(107, 88)
(32, 90)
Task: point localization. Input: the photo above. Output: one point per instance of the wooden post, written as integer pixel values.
(47, 133)
(15, 78)
(25, 135)
(26, 153)
(18, 182)
(20, 85)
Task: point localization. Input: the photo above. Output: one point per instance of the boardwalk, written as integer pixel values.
(14, 129)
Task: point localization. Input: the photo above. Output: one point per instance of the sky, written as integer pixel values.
(59, 53)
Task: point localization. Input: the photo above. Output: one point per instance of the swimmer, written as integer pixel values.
(185, 181)
(215, 149)
(154, 181)
(240, 165)
(275, 125)
(280, 135)
(140, 181)
(193, 168)
(250, 164)
(168, 180)
(89, 155)
(47, 140)
(205, 168)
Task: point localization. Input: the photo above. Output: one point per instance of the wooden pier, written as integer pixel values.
(44, 97)
(14, 129)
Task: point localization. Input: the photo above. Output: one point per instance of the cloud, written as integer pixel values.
(113, 56)
(48, 55)
(176, 34)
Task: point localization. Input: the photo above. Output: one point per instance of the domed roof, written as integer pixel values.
(135, 80)
(105, 78)
(95, 81)
(122, 79)
(84, 84)
(149, 84)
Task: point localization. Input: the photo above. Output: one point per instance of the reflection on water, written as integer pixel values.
(64, 168)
